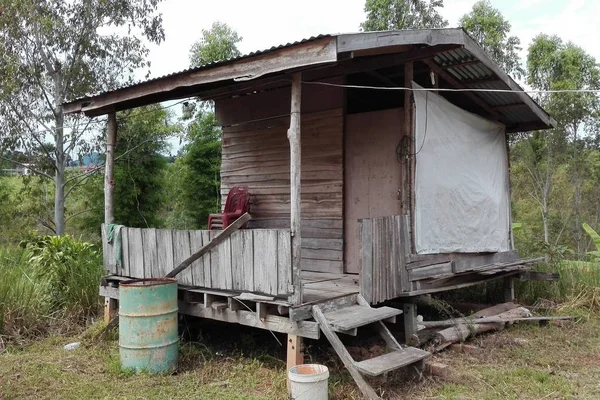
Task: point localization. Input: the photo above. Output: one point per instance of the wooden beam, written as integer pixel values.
(476, 99)
(509, 106)
(407, 131)
(509, 289)
(294, 134)
(461, 63)
(109, 183)
(382, 78)
(224, 234)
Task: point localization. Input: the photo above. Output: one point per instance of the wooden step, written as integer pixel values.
(391, 361)
(348, 318)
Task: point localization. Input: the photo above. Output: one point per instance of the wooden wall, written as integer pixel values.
(257, 260)
(257, 154)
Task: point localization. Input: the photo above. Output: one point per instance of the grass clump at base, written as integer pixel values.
(49, 284)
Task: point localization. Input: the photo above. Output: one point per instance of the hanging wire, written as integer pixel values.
(452, 89)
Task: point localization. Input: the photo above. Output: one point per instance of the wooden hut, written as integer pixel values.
(361, 191)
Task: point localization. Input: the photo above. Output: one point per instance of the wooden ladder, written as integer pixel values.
(347, 320)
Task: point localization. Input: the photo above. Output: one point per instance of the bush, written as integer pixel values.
(48, 282)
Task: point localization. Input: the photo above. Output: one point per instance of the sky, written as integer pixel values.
(266, 23)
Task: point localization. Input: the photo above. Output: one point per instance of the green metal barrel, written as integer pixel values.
(148, 339)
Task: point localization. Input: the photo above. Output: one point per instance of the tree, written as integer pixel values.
(383, 15)
(52, 51)
(555, 65)
(201, 157)
(218, 43)
(203, 160)
(489, 28)
(139, 170)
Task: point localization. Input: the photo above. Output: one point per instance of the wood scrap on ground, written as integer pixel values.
(456, 330)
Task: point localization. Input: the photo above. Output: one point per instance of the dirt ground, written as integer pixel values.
(525, 361)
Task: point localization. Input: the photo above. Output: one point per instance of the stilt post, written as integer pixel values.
(295, 183)
(410, 321)
(509, 289)
(109, 184)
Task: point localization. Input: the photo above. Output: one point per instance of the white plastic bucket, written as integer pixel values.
(308, 382)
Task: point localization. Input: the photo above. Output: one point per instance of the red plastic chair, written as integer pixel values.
(238, 202)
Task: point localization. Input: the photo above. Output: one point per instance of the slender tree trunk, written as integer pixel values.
(546, 198)
(59, 178)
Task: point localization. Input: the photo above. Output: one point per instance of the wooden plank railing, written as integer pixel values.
(385, 247)
(250, 260)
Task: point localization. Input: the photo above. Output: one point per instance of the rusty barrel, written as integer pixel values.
(148, 339)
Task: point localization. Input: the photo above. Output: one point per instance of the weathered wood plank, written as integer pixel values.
(136, 253)
(405, 248)
(206, 260)
(125, 270)
(181, 251)
(265, 261)
(431, 271)
(197, 267)
(284, 263)
(307, 329)
(366, 269)
(215, 271)
(473, 261)
(104, 249)
(150, 254)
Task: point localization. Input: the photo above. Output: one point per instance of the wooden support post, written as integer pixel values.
(295, 182)
(109, 184)
(509, 289)
(407, 131)
(110, 309)
(294, 351)
(410, 321)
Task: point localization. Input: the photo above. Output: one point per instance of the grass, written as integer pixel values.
(49, 287)
(522, 362)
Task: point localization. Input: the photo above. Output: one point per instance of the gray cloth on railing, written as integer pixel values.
(113, 236)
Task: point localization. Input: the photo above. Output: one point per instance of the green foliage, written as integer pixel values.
(49, 283)
(53, 51)
(201, 166)
(139, 171)
(489, 28)
(71, 269)
(385, 15)
(218, 43)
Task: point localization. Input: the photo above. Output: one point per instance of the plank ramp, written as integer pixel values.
(391, 361)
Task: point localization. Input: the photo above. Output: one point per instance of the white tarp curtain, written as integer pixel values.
(461, 183)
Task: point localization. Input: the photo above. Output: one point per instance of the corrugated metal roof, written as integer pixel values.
(477, 72)
(212, 65)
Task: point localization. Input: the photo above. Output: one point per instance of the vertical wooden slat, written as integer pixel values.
(366, 269)
(136, 253)
(109, 164)
(284, 262)
(215, 270)
(265, 261)
(104, 252)
(181, 251)
(389, 265)
(197, 266)
(404, 251)
(397, 262)
(164, 241)
(242, 260)
(206, 260)
(125, 270)
(224, 250)
(294, 134)
(150, 253)
(376, 259)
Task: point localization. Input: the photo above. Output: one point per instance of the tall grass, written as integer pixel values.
(50, 283)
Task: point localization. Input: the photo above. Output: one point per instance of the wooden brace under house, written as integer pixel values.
(359, 195)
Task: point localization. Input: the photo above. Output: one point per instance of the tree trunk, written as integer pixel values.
(59, 178)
